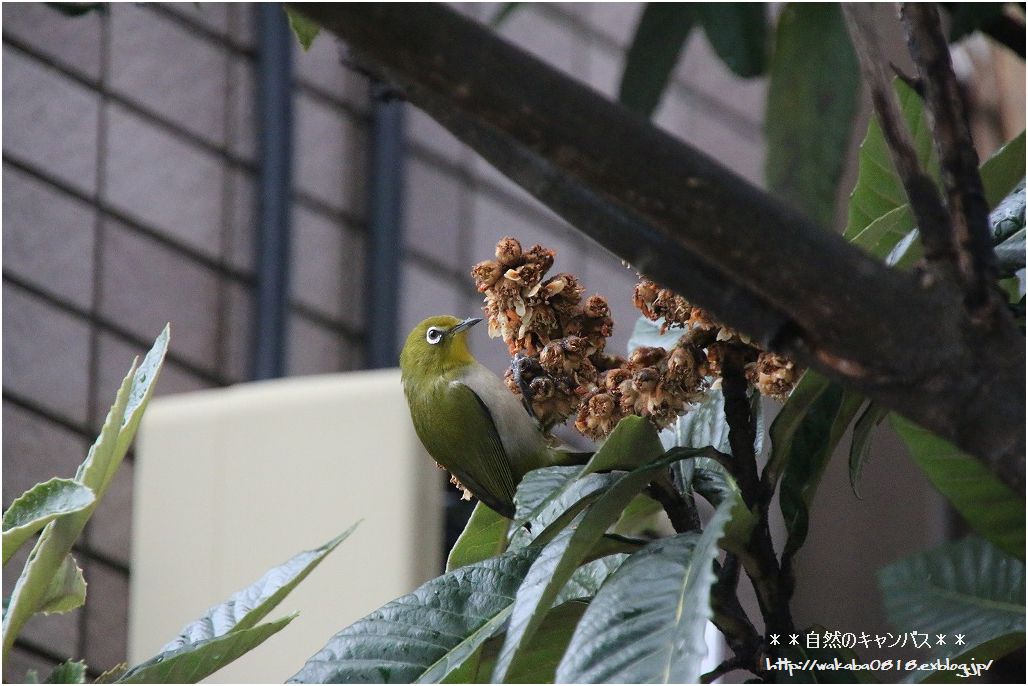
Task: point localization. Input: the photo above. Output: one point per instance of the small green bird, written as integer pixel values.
(465, 416)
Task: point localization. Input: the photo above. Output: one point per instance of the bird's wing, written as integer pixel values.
(484, 468)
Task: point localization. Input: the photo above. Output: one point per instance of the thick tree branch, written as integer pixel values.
(804, 291)
(971, 243)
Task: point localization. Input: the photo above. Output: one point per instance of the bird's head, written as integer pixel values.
(437, 345)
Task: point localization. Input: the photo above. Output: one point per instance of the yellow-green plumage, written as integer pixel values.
(465, 416)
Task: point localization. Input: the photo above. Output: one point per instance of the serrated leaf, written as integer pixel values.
(860, 444)
(484, 536)
(549, 498)
(1007, 218)
(968, 587)
(651, 59)
(878, 190)
(811, 104)
(303, 28)
(66, 590)
(191, 663)
(95, 473)
(587, 579)
(427, 634)
(561, 556)
(712, 481)
(992, 509)
(738, 33)
(70, 672)
(250, 605)
(647, 622)
(1010, 254)
(37, 507)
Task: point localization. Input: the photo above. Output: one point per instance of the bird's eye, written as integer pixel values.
(434, 335)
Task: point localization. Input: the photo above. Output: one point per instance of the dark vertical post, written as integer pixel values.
(275, 121)
(385, 226)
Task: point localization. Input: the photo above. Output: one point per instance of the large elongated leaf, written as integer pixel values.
(484, 536)
(427, 634)
(1007, 218)
(860, 446)
(662, 30)
(250, 605)
(738, 33)
(968, 587)
(992, 509)
(95, 473)
(562, 555)
(878, 190)
(647, 623)
(191, 663)
(811, 103)
(803, 444)
(1001, 174)
(546, 648)
(38, 506)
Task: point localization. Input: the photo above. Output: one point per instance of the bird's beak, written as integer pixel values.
(466, 324)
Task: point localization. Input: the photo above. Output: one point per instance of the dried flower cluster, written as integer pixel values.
(772, 374)
(556, 337)
(557, 341)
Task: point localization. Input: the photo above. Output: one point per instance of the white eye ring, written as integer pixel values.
(434, 335)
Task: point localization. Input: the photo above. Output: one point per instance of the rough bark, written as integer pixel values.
(800, 289)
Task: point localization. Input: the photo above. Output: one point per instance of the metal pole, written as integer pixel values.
(275, 120)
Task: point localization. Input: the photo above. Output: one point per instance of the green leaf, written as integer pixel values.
(633, 442)
(250, 605)
(968, 587)
(561, 556)
(303, 28)
(94, 473)
(860, 445)
(712, 481)
(1008, 216)
(647, 623)
(547, 647)
(427, 634)
(651, 59)
(1010, 254)
(587, 579)
(548, 499)
(191, 663)
(992, 509)
(878, 190)
(811, 103)
(37, 507)
(803, 443)
(484, 536)
(66, 591)
(738, 33)
(70, 672)
(504, 13)
(1001, 175)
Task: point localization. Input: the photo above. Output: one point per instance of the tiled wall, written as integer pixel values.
(129, 174)
(129, 150)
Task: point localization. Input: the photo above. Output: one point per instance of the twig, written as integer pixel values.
(679, 509)
(971, 244)
(931, 216)
(725, 667)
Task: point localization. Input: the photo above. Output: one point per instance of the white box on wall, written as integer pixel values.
(233, 481)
